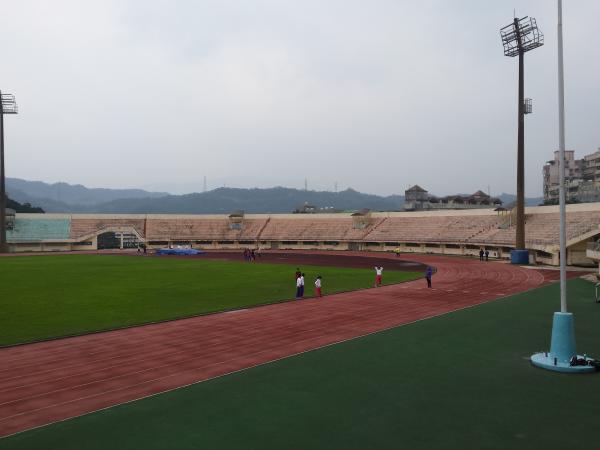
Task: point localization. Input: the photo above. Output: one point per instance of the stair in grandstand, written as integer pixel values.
(258, 236)
(510, 220)
(503, 225)
(374, 227)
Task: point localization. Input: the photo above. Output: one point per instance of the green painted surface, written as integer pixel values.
(49, 296)
(459, 381)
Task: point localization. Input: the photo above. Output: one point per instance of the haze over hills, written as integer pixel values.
(66, 198)
(71, 194)
(273, 200)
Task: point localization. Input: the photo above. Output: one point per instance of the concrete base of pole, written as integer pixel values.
(562, 348)
(548, 362)
(519, 256)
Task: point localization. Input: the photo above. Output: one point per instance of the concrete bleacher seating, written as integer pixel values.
(314, 229)
(41, 229)
(542, 229)
(202, 229)
(81, 227)
(453, 232)
(431, 229)
(161, 229)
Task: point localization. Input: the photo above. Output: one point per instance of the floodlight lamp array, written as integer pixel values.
(521, 36)
(9, 104)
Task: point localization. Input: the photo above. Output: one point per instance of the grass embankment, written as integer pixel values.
(50, 296)
(459, 381)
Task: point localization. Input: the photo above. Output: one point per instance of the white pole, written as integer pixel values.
(561, 167)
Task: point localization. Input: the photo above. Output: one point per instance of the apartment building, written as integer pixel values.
(582, 178)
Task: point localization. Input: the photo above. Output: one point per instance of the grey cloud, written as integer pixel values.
(374, 95)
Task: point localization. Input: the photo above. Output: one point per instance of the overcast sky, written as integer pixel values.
(375, 95)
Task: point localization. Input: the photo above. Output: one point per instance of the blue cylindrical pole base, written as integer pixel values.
(519, 256)
(562, 348)
(562, 345)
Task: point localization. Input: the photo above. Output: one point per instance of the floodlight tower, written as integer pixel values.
(8, 105)
(519, 37)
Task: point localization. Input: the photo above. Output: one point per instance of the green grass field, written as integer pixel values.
(50, 296)
(458, 381)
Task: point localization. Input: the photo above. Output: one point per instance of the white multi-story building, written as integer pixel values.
(591, 166)
(582, 178)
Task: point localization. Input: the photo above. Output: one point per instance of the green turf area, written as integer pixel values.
(50, 296)
(459, 381)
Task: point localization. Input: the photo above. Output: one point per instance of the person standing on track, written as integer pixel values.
(481, 254)
(302, 286)
(487, 254)
(318, 287)
(428, 275)
(378, 275)
(299, 287)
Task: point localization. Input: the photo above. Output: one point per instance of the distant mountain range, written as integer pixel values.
(66, 198)
(61, 196)
(507, 199)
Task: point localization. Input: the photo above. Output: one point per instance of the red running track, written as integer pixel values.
(50, 381)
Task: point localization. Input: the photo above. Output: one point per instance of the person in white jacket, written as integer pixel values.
(378, 275)
(302, 286)
(299, 287)
(318, 287)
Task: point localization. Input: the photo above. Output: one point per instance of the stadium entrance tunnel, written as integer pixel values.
(114, 240)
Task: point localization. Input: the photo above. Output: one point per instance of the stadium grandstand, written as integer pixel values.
(449, 232)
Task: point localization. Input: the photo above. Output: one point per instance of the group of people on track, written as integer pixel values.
(251, 254)
(484, 254)
(300, 281)
(300, 284)
(379, 275)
